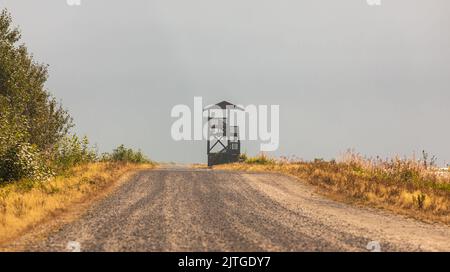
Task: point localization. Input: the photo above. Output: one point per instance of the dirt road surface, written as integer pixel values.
(183, 209)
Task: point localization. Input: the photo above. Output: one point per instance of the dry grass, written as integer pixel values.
(406, 186)
(24, 204)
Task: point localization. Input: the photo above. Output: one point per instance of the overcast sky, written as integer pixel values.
(345, 74)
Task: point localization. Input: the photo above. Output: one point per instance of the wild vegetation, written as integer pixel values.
(123, 154)
(26, 203)
(44, 167)
(35, 139)
(32, 123)
(410, 186)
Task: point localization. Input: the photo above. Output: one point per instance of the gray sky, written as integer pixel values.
(345, 74)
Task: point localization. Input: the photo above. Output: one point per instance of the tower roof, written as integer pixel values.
(223, 105)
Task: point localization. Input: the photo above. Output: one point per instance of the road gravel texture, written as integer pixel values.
(185, 209)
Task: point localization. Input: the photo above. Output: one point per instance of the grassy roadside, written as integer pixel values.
(24, 204)
(405, 186)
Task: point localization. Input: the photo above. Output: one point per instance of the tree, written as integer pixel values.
(32, 122)
(25, 104)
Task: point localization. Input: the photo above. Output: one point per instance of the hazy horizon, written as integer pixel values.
(345, 74)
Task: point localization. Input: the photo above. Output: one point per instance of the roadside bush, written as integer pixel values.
(260, 159)
(23, 161)
(72, 151)
(18, 158)
(22, 90)
(12, 129)
(243, 157)
(34, 127)
(123, 154)
(31, 120)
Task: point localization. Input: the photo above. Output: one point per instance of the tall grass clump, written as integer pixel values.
(260, 159)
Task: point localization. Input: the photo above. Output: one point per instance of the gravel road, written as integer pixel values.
(183, 209)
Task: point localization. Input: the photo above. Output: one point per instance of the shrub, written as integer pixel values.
(243, 157)
(31, 120)
(72, 151)
(123, 154)
(23, 161)
(23, 93)
(260, 159)
(419, 200)
(18, 158)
